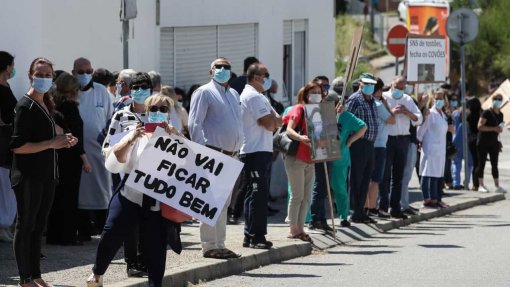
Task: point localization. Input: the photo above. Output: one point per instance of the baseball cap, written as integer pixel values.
(367, 78)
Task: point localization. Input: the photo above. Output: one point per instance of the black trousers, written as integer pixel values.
(362, 164)
(257, 172)
(396, 158)
(474, 155)
(34, 200)
(491, 149)
(122, 216)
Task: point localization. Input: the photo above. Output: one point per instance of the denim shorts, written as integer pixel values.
(379, 164)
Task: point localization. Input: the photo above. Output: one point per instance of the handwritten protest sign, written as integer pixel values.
(425, 59)
(185, 175)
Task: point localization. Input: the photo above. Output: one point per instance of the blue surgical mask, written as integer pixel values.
(84, 79)
(497, 104)
(368, 89)
(267, 84)
(13, 73)
(409, 89)
(221, 75)
(42, 85)
(439, 104)
(158, 117)
(397, 94)
(454, 104)
(140, 95)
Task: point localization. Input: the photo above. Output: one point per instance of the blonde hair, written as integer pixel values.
(156, 99)
(168, 91)
(432, 98)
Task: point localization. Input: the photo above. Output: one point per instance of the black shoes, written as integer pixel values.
(232, 220)
(366, 220)
(314, 225)
(383, 214)
(257, 244)
(398, 214)
(409, 211)
(136, 270)
(345, 223)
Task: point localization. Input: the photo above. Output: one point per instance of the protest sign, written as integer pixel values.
(353, 59)
(185, 175)
(425, 59)
(322, 131)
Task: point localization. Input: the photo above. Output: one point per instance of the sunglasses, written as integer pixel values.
(224, 66)
(81, 72)
(325, 86)
(163, 109)
(142, 86)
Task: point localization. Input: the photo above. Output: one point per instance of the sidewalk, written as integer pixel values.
(70, 266)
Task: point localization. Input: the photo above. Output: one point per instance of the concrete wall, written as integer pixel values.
(64, 30)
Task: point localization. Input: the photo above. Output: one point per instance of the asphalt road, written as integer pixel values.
(468, 248)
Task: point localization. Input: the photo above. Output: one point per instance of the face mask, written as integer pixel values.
(497, 104)
(140, 95)
(314, 98)
(409, 89)
(42, 85)
(397, 94)
(454, 104)
(368, 89)
(221, 75)
(267, 84)
(157, 117)
(13, 73)
(84, 79)
(439, 104)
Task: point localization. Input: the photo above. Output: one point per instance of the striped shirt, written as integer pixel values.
(366, 110)
(123, 120)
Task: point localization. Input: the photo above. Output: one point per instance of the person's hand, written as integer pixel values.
(87, 167)
(171, 129)
(304, 139)
(138, 133)
(72, 140)
(339, 108)
(60, 141)
(498, 129)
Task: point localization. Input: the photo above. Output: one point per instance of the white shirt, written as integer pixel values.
(254, 106)
(402, 124)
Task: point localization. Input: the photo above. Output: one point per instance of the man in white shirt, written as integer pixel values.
(406, 113)
(215, 121)
(259, 122)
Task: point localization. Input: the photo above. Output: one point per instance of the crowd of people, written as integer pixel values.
(64, 167)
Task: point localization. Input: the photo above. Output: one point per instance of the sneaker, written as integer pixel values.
(345, 223)
(409, 211)
(246, 241)
(373, 212)
(262, 244)
(500, 190)
(483, 189)
(136, 270)
(232, 220)
(95, 281)
(326, 227)
(383, 214)
(398, 214)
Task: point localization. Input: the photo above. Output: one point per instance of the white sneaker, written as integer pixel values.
(95, 281)
(500, 190)
(483, 189)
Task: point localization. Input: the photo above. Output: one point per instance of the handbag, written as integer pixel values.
(173, 214)
(284, 144)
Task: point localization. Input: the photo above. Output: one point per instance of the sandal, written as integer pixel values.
(227, 253)
(301, 236)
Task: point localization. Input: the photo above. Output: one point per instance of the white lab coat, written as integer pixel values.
(432, 134)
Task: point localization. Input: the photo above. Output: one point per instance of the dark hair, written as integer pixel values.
(6, 59)
(57, 74)
(48, 101)
(186, 100)
(321, 78)
(103, 76)
(115, 76)
(355, 85)
(179, 91)
(141, 78)
(304, 91)
(252, 71)
(379, 85)
(248, 62)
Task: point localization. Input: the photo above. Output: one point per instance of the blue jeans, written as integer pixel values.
(431, 187)
(408, 173)
(318, 206)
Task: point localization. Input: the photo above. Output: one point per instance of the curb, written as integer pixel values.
(209, 270)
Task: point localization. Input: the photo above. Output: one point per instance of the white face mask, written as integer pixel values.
(314, 98)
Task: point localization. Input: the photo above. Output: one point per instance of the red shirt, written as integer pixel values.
(297, 115)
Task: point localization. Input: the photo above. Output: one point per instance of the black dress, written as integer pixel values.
(62, 223)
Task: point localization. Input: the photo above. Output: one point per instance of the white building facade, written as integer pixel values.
(295, 39)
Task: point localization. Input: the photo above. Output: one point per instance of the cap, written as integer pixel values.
(367, 78)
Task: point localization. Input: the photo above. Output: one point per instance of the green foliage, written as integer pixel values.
(488, 57)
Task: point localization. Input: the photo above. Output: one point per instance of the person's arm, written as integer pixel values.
(357, 135)
(414, 113)
(122, 149)
(294, 135)
(197, 113)
(262, 111)
(484, 128)
(421, 130)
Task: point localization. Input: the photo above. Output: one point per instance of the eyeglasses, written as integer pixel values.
(142, 86)
(163, 109)
(224, 66)
(81, 72)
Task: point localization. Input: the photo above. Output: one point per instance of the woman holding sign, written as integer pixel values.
(300, 168)
(129, 207)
